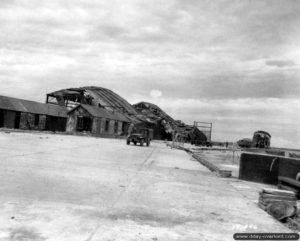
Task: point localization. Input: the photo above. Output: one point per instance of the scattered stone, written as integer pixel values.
(281, 210)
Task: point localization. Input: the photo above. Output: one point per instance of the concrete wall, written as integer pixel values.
(72, 119)
(266, 168)
(27, 121)
(71, 124)
(289, 167)
(111, 129)
(120, 125)
(96, 126)
(258, 167)
(23, 121)
(102, 129)
(42, 122)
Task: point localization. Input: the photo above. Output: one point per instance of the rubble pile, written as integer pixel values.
(162, 120)
(280, 204)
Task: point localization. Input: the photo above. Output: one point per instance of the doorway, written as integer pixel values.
(1, 118)
(84, 123)
(17, 120)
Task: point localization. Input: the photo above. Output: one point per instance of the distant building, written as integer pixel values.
(94, 96)
(97, 102)
(165, 127)
(30, 115)
(92, 110)
(97, 121)
(162, 124)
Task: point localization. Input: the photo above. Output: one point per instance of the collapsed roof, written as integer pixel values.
(142, 112)
(158, 116)
(94, 96)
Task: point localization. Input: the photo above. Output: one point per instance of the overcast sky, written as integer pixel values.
(234, 63)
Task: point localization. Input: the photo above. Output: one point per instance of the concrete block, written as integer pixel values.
(258, 167)
(289, 167)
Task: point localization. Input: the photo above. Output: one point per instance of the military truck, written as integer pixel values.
(141, 136)
(261, 139)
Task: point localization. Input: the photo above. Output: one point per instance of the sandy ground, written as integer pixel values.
(56, 187)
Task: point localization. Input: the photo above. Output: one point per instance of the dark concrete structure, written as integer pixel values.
(266, 168)
(258, 167)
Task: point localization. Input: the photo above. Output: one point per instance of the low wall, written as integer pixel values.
(265, 168)
(258, 167)
(289, 167)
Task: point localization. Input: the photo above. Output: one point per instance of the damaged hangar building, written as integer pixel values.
(92, 110)
(95, 110)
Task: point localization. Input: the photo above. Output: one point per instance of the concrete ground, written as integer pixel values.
(57, 187)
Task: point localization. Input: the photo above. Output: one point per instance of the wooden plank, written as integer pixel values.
(262, 206)
(277, 197)
(278, 192)
(267, 202)
(288, 188)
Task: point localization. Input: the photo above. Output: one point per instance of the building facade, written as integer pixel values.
(30, 115)
(96, 121)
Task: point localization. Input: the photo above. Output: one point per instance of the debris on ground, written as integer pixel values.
(294, 223)
(280, 204)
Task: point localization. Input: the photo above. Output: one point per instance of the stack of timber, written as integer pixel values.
(278, 203)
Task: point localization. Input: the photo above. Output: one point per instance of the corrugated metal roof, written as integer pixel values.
(102, 113)
(9, 103)
(105, 97)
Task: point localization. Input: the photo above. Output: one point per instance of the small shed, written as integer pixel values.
(97, 121)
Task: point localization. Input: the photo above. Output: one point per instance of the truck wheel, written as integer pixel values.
(142, 142)
(134, 142)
